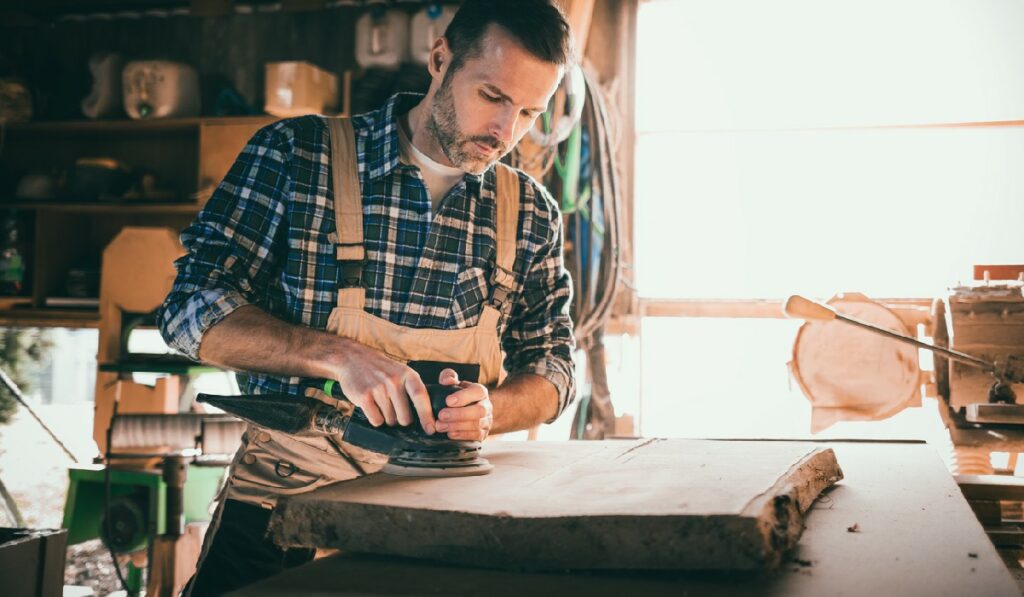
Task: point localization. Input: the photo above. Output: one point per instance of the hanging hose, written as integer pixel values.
(588, 185)
(580, 173)
(596, 120)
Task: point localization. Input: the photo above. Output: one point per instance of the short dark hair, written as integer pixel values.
(537, 24)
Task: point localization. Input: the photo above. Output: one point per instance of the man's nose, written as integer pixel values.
(503, 127)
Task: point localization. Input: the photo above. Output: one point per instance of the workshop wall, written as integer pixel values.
(228, 51)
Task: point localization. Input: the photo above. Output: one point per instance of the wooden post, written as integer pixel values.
(138, 271)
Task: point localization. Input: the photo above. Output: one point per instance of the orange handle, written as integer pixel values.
(802, 308)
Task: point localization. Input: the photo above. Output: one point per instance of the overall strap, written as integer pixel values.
(506, 229)
(348, 213)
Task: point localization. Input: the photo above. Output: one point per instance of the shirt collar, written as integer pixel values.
(381, 137)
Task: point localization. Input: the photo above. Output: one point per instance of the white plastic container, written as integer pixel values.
(160, 89)
(106, 96)
(382, 39)
(427, 25)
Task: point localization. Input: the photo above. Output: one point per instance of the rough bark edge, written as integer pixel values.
(780, 509)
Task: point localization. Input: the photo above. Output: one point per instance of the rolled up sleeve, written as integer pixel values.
(231, 248)
(539, 338)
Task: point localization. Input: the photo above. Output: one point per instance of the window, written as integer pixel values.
(800, 146)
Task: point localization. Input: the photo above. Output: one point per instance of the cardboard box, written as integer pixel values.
(299, 88)
(32, 561)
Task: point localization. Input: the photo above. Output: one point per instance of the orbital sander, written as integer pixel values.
(410, 450)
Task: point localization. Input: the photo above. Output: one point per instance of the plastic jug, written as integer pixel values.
(427, 25)
(382, 38)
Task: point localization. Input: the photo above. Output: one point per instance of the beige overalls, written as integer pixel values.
(269, 463)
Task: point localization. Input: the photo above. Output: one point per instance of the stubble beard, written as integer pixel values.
(460, 150)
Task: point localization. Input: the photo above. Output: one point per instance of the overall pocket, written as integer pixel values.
(471, 290)
(278, 468)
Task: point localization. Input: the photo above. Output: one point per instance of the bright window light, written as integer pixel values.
(756, 208)
(808, 146)
(739, 64)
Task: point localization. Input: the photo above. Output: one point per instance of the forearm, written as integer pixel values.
(249, 339)
(386, 390)
(523, 401)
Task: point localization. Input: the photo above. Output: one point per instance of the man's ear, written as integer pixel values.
(440, 58)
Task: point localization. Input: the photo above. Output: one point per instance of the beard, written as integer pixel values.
(461, 150)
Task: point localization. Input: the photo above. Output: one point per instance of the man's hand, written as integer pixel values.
(469, 414)
(382, 388)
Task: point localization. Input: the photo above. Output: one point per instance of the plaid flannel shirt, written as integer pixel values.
(262, 239)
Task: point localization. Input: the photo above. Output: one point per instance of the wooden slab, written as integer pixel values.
(638, 504)
(915, 535)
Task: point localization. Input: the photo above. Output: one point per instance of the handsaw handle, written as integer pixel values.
(800, 307)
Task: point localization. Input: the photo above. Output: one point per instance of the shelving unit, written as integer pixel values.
(104, 207)
(189, 157)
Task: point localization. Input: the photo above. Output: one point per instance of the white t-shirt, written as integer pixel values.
(439, 178)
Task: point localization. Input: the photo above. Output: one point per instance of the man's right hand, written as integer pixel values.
(383, 387)
(249, 339)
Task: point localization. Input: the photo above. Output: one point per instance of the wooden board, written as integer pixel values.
(915, 535)
(636, 504)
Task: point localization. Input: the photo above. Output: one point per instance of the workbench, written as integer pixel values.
(896, 525)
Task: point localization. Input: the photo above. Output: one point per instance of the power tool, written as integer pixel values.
(411, 451)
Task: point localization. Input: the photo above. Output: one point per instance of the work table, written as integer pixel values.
(897, 524)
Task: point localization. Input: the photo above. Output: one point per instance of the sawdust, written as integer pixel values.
(88, 564)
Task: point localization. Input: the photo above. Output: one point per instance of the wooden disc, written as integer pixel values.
(850, 373)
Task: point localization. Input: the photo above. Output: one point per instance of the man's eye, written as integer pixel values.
(490, 98)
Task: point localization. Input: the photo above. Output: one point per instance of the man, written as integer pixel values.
(312, 261)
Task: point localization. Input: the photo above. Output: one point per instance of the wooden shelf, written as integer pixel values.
(69, 318)
(133, 126)
(102, 207)
(189, 156)
(173, 365)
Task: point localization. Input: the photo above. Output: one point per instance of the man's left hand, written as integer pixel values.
(469, 414)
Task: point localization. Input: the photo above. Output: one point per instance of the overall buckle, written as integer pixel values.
(351, 273)
(502, 282)
(351, 259)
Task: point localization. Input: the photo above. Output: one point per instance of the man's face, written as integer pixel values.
(482, 110)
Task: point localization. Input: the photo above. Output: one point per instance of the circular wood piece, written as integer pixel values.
(854, 373)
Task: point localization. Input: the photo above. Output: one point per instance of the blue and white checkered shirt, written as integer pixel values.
(262, 239)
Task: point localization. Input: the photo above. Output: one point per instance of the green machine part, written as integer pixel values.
(138, 500)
